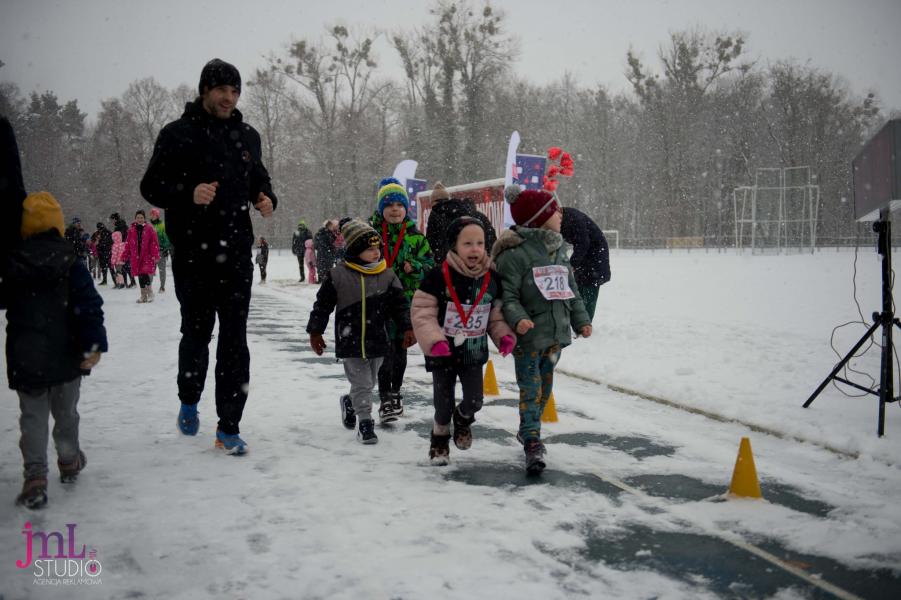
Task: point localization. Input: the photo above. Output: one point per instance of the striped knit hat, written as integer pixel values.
(358, 237)
(390, 190)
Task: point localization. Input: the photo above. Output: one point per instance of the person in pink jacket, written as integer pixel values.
(116, 261)
(142, 250)
(309, 259)
(456, 308)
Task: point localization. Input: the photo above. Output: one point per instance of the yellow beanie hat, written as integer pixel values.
(41, 212)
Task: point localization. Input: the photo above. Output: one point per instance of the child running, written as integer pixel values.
(456, 304)
(364, 294)
(541, 302)
(407, 252)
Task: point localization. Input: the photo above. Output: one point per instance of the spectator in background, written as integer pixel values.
(298, 245)
(324, 245)
(165, 245)
(590, 260)
(104, 251)
(263, 258)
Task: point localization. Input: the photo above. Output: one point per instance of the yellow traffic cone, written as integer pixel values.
(744, 478)
(489, 381)
(550, 411)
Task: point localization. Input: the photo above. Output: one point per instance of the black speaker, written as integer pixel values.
(877, 173)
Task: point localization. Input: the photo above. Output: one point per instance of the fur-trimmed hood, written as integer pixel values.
(511, 238)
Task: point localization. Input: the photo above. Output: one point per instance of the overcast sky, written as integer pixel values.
(91, 50)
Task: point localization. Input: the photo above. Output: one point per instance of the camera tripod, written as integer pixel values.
(885, 319)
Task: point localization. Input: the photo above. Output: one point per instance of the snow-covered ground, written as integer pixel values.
(310, 513)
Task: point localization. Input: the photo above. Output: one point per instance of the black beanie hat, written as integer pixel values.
(218, 72)
(457, 225)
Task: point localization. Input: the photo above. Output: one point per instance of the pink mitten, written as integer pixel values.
(441, 349)
(507, 344)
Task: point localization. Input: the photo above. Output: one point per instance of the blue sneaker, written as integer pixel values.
(188, 421)
(231, 443)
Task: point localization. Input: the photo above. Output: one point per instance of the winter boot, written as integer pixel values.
(387, 413)
(231, 443)
(439, 452)
(68, 472)
(149, 294)
(397, 402)
(34, 493)
(188, 421)
(462, 431)
(534, 456)
(348, 417)
(366, 434)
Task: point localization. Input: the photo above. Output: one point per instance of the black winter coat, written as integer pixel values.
(12, 193)
(104, 244)
(326, 252)
(443, 214)
(590, 259)
(54, 316)
(200, 148)
(297, 240)
(361, 326)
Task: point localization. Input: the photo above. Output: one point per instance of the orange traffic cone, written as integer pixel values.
(744, 477)
(489, 381)
(550, 411)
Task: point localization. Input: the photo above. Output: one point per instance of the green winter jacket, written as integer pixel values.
(413, 249)
(516, 253)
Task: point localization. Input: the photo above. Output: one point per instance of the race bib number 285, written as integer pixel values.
(553, 282)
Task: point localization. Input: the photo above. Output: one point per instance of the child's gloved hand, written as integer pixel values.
(523, 326)
(90, 360)
(585, 331)
(409, 339)
(441, 348)
(317, 343)
(507, 344)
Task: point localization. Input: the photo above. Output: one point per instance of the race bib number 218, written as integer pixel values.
(553, 282)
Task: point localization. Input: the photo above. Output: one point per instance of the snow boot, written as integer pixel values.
(348, 416)
(68, 472)
(387, 412)
(439, 452)
(534, 451)
(188, 421)
(462, 430)
(149, 291)
(231, 443)
(397, 402)
(366, 434)
(34, 493)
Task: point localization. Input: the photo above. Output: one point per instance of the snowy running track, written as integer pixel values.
(629, 506)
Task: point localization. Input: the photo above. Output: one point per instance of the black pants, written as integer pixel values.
(300, 265)
(104, 267)
(391, 374)
(262, 271)
(443, 383)
(144, 281)
(207, 289)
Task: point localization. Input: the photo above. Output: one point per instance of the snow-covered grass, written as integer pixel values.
(310, 513)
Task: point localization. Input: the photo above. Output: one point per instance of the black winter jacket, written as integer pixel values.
(297, 240)
(12, 193)
(54, 316)
(363, 304)
(590, 259)
(443, 214)
(200, 148)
